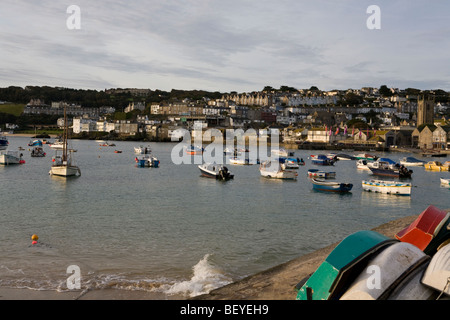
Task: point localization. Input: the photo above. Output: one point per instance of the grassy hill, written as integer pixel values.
(12, 108)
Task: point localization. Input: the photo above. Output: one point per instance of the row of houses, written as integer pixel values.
(425, 137)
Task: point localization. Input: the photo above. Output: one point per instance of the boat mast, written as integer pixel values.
(64, 157)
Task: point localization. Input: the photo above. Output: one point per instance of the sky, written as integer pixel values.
(228, 45)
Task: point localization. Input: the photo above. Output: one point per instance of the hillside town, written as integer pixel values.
(377, 118)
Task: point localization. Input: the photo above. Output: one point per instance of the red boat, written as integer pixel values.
(427, 230)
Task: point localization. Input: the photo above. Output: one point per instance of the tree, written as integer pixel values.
(385, 91)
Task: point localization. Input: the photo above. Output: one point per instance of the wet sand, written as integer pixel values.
(277, 283)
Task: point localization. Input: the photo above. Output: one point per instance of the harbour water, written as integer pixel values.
(169, 231)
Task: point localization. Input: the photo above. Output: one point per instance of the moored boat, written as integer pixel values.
(445, 182)
(411, 162)
(3, 142)
(366, 156)
(343, 156)
(331, 186)
(362, 164)
(62, 164)
(193, 150)
(276, 170)
(38, 152)
(215, 171)
(387, 187)
(8, 157)
(147, 160)
(436, 166)
(382, 168)
(323, 160)
(142, 150)
(316, 173)
(35, 143)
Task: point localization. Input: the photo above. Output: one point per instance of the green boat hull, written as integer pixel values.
(346, 261)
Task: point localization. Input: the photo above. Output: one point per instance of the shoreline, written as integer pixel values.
(276, 283)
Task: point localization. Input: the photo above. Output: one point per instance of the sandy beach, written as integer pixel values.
(277, 283)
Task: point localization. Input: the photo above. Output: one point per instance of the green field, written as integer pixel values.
(14, 109)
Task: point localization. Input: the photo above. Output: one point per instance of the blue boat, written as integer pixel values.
(35, 143)
(3, 142)
(331, 186)
(323, 160)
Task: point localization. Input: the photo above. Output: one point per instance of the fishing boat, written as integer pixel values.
(239, 160)
(38, 152)
(386, 169)
(428, 231)
(343, 156)
(35, 143)
(62, 162)
(437, 274)
(342, 265)
(192, 150)
(142, 150)
(57, 144)
(279, 152)
(292, 163)
(276, 170)
(411, 162)
(445, 182)
(147, 160)
(382, 162)
(215, 171)
(387, 187)
(366, 156)
(433, 153)
(3, 142)
(316, 173)
(323, 160)
(331, 186)
(394, 263)
(362, 164)
(435, 166)
(8, 157)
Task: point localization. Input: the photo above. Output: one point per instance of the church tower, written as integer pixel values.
(425, 110)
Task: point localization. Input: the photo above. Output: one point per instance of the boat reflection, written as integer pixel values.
(374, 199)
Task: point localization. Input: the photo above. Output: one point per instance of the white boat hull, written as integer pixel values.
(387, 187)
(64, 171)
(9, 158)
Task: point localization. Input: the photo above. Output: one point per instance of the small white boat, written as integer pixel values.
(239, 160)
(279, 152)
(445, 182)
(316, 173)
(276, 170)
(362, 164)
(437, 274)
(57, 145)
(62, 163)
(387, 187)
(142, 150)
(393, 264)
(412, 162)
(215, 171)
(8, 157)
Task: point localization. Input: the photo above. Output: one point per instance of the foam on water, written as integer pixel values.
(206, 277)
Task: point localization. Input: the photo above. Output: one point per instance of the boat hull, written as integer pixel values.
(387, 187)
(218, 173)
(336, 187)
(64, 171)
(9, 158)
(342, 265)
